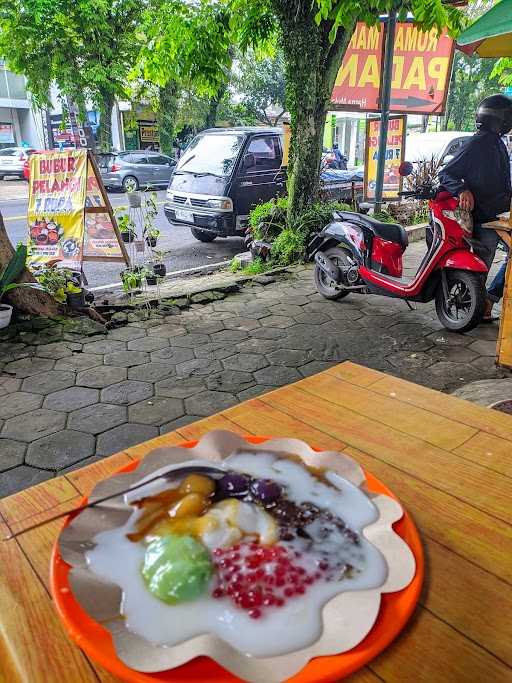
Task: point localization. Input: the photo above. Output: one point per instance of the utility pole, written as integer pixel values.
(385, 96)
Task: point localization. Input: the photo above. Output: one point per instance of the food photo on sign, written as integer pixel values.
(55, 208)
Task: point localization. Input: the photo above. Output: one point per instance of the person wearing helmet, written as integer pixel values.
(479, 175)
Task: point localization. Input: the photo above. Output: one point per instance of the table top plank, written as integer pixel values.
(490, 450)
(86, 478)
(431, 651)
(42, 498)
(468, 481)
(435, 429)
(492, 422)
(36, 647)
(261, 419)
(197, 429)
(451, 473)
(458, 592)
(467, 531)
(354, 373)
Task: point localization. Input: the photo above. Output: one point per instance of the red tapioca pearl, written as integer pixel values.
(280, 581)
(300, 590)
(278, 602)
(259, 573)
(289, 592)
(255, 613)
(323, 565)
(218, 552)
(309, 580)
(218, 593)
(269, 580)
(318, 575)
(300, 570)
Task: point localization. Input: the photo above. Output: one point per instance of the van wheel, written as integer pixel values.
(464, 309)
(130, 184)
(203, 235)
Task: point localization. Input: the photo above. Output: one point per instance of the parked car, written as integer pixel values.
(26, 163)
(129, 171)
(225, 172)
(12, 160)
(443, 145)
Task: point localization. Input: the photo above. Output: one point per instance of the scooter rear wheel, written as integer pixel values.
(465, 308)
(325, 286)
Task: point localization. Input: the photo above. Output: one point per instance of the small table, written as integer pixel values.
(449, 461)
(504, 346)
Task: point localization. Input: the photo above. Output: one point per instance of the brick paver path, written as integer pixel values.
(67, 399)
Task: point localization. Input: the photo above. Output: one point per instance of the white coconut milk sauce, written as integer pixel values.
(281, 630)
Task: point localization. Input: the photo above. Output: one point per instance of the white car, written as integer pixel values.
(443, 145)
(12, 160)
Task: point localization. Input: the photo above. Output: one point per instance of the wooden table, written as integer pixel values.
(449, 461)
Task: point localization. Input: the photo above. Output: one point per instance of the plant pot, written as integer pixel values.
(151, 280)
(128, 236)
(159, 269)
(151, 241)
(76, 300)
(134, 199)
(5, 315)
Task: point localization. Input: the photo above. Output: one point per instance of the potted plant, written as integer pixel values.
(63, 284)
(151, 279)
(126, 228)
(159, 268)
(152, 236)
(12, 271)
(132, 278)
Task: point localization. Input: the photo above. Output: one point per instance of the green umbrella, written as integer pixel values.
(491, 35)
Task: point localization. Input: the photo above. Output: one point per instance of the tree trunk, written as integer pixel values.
(312, 64)
(213, 107)
(168, 98)
(32, 301)
(105, 128)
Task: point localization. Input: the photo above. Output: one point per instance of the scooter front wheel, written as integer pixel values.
(460, 307)
(325, 286)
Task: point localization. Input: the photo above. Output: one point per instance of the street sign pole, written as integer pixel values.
(385, 96)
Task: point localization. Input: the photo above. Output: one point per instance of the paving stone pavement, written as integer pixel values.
(71, 393)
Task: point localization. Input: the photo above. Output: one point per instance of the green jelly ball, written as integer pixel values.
(176, 568)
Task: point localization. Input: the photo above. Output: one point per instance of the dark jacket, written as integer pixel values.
(483, 167)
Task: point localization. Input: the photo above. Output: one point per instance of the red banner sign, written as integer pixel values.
(421, 70)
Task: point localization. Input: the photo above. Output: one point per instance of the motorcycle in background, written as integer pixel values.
(359, 254)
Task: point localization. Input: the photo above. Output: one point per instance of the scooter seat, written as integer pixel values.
(392, 232)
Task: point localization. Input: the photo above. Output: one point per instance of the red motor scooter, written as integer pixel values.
(357, 253)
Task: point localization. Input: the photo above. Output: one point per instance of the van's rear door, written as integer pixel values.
(256, 183)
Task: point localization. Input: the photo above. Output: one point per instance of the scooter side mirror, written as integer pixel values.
(405, 168)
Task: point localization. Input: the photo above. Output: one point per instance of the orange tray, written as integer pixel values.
(395, 610)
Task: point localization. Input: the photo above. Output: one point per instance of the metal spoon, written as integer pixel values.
(169, 476)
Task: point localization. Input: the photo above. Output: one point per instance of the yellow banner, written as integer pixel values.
(56, 208)
(394, 156)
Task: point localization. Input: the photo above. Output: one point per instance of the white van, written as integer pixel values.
(443, 145)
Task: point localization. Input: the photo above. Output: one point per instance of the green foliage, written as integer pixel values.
(59, 282)
(87, 47)
(13, 270)
(384, 216)
(502, 70)
(261, 84)
(255, 268)
(268, 219)
(472, 79)
(268, 222)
